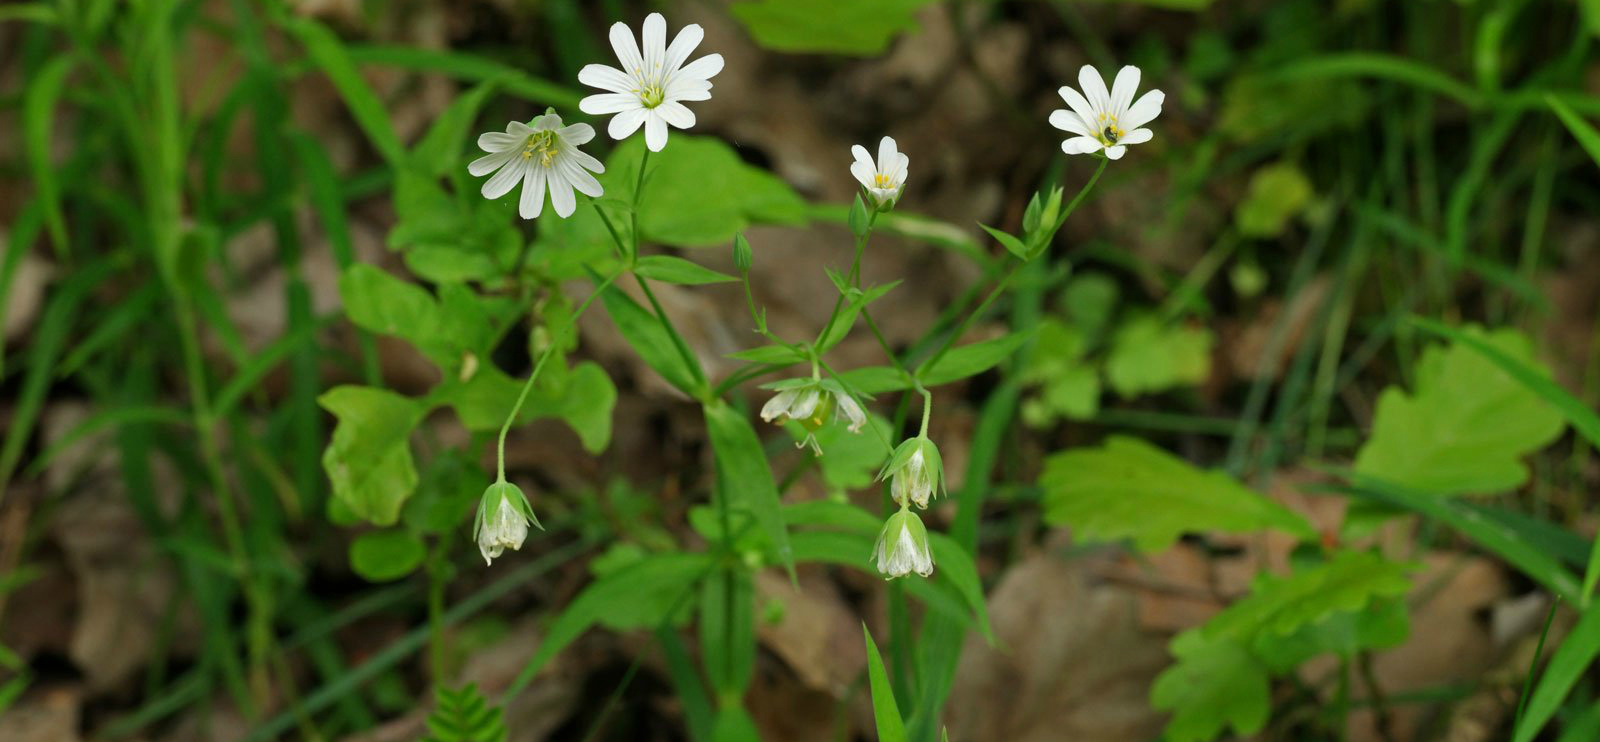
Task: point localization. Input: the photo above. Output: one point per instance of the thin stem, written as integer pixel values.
(527, 386)
(927, 410)
(855, 275)
(672, 332)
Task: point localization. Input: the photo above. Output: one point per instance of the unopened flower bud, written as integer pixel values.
(503, 519)
(903, 546)
(915, 472)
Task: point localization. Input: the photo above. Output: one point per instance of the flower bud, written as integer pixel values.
(743, 258)
(903, 546)
(915, 472)
(503, 519)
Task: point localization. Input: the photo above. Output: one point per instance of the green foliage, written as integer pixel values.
(382, 556)
(1278, 193)
(583, 397)
(1281, 605)
(1148, 356)
(464, 716)
(1131, 489)
(746, 476)
(677, 270)
(369, 459)
(728, 631)
(970, 360)
(1465, 426)
(1070, 384)
(647, 338)
(1214, 685)
(827, 26)
(698, 192)
(885, 712)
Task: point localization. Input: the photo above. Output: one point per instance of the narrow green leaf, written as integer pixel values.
(38, 125)
(1581, 130)
(891, 726)
(746, 478)
(645, 335)
(328, 53)
(677, 270)
(466, 66)
(971, 360)
(770, 354)
(1571, 660)
(1010, 243)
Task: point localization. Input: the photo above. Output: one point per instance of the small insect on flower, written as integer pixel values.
(543, 153)
(1102, 120)
(884, 180)
(903, 546)
(915, 472)
(812, 403)
(651, 86)
(503, 519)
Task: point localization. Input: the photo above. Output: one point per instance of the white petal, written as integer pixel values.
(561, 194)
(518, 129)
(505, 180)
(626, 48)
(588, 162)
(703, 68)
(494, 141)
(851, 411)
(860, 153)
(1094, 88)
(688, 89)
(581, 180)
(863, 172)
(655, 131)
(547, 122)
(625, 123)
(898, 167)
(1080, 106)
(1137, 136)
(577, 134)
(654, 43)
(676, 114)
(607, 77)
(886, 153)
(603, 103)
(532, 194)
(1145, 110)
(1122, 90)
(1080, 145)
(778, 406)
(1068, 121)
(489, 163)
(682, 46)
(805, 403)
(1116, 152)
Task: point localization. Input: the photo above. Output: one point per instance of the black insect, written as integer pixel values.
(1111, 134)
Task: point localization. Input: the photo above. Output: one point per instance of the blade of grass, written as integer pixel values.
(328, 53)
(38, 125)
(891, 726)
(1383, 67)
(1572, 659)
(1581, 130)
(465, 66)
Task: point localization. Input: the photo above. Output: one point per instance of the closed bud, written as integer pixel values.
(903, 546)
(743, 258)
(503, 519)
(915, 472)
(860, 222)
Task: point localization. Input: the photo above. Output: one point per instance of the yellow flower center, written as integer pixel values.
(545, 145)
(1109, 132)
(881, 180)
(652, 95)
(819, 416)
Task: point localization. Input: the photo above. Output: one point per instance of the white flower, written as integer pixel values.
(649, 88)
(543, 154)
(1108, 121)
(903, 546)
(503, 520)
(886, 179)
(812, 403)
(915, 471)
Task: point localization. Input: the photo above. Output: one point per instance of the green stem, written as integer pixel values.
(527, 386)
(854, 277)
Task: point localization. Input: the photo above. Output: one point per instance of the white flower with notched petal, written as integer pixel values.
(1103, 120)
(885, 179)
(812, 403)
(650, 87)
(543, 154)
(903, 546)
(503, 519)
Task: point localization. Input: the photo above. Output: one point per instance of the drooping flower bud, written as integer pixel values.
(503, 519)
(915, 472)
(903, 546)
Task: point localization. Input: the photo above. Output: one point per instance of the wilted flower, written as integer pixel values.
(812, 403)
(916, 472)
(1102, 120)
(542, 154)
(903, 546)
(503, 519)
(650, 86)
(886, 179)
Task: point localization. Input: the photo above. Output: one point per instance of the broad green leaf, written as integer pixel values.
(644, 594)
(745, 477)
(647, 338)
(378, 301)
(698, 191)
(1214, 685)
(1278, 192)
(851, 460)
(369, 458)
(677, 270)
(885, 712)
(1283, 604)
(828, 26)
(1131, 489)
(875, 379)
(441, 149)
(584, 398)
(1467, 424)
(970, 360)
(383, 556)
(734, 725)
(1382, 625)
(1148, 356)
(1090, 301)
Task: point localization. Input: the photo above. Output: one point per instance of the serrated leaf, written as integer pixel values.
(1214, 685)
(677, 270)
(1467, 425)
(1283, 604)
(369, 459)
(383, 556)
(1131, 489)
(971, 360)
(1148, 356)
(827, 26)
(1382, 625)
